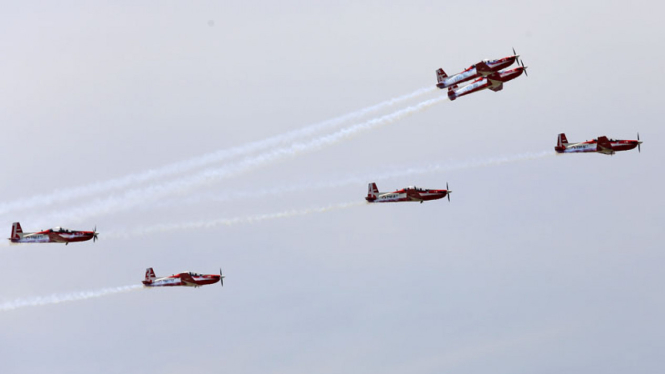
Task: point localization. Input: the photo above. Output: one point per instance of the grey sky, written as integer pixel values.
(548, 265)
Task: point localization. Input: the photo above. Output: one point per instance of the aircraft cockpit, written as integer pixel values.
(59, 229)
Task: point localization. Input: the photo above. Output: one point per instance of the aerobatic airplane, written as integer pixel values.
(54, 235)
(601, 145)
(410, 193)
(482, 69)
(494, 82)
(187, 279)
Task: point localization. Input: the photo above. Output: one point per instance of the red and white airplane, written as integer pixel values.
(187, 279)
(54, 235)
(601, 145)
(482, 69)
(494, 82)
(411, 193)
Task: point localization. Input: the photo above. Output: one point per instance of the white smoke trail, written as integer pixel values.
(150, 193)
(492, 161)
(201, 161)
(207, 224)
(62, 298)
(362, 179)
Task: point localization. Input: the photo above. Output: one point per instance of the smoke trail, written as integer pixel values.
(201, 161)
(364, 178)
(142, 195)
(492, 161)
(61, 298)
(207, 224)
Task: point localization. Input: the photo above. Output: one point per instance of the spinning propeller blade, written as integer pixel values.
(448, 192)
(221, 277)
(516, 56)
(524, 68)
(94, 234)
(639, 143)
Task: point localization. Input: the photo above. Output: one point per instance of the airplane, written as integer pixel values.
(54, 235)
(480, 70)
(410, 193)
(601, 145)
(187, 279)
(494, 82)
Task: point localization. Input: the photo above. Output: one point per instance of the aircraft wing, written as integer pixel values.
(496, 88)
(604, 146)
(187, 280)
(413, 196)
(483, 69)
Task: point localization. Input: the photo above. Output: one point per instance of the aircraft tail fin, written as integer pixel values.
(562, 141)
(440, 78)
(17, 231)
(372, 191)
(149, 275)
(451, 92)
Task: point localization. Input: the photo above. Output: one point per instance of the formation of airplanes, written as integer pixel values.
(486, 74)
(61, 235)
(186, 279)
(601, 145)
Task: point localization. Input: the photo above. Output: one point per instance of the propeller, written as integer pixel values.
(638, 143)
(524, 68)
(221, 277)
(448, 192)
(516, 56)
(94, 234)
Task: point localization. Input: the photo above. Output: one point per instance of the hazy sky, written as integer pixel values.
(539, 264)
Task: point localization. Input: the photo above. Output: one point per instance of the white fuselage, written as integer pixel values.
(385, 197)
(580, 147)
(483, 83)
(461, 77)
(32, 238)
(174, 281)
